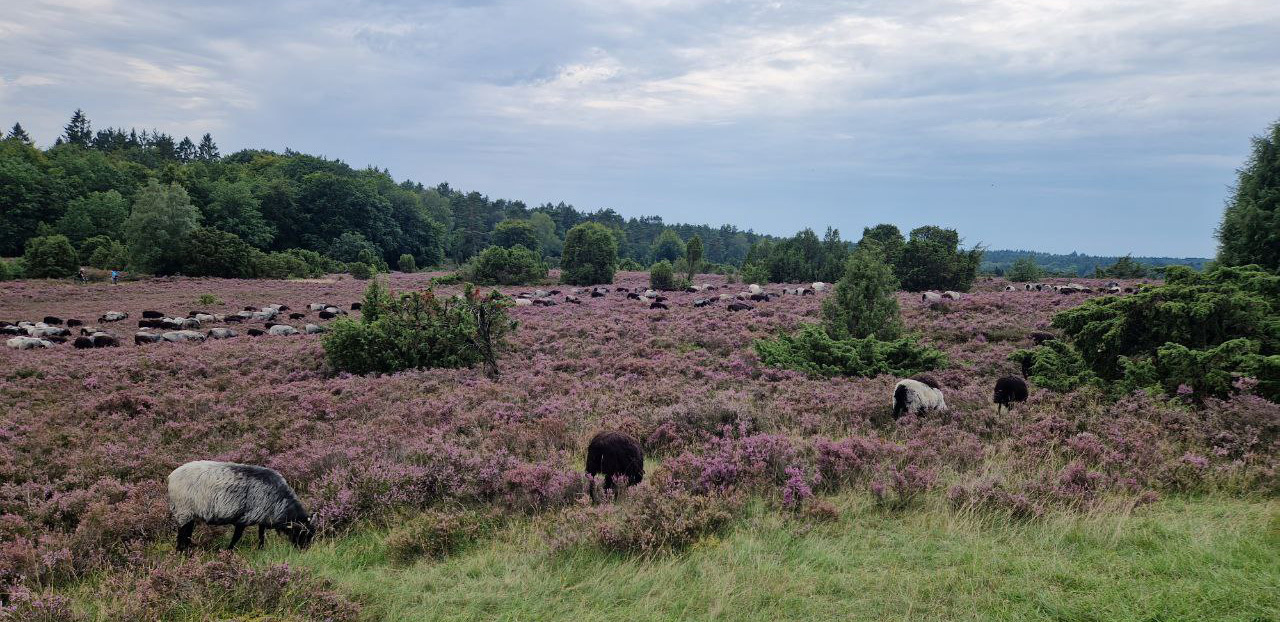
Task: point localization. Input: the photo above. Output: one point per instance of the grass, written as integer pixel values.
(1183, 559)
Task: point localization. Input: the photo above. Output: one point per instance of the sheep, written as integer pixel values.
(205, 318)
(702, 302)
(633, 296)
(914, 397)
(818, 286)
(326, 315)
(951, 295)
(282, 329)
(614, 454)
(72, 323)
(113, 316)
(52, 321)
(755, 289)
(96, 340)
(145, 338)
(297, 316)
(544, 302)
(573, 300)
(520, 302)
(316, 306)
(11, 329)
(221, 333)
(658, 305)
(82, 342)
(1008, 390)
(226, 493)
(314, 329)
(152, 315)
(28, 343)
(761, 297)
(355, 306)
(931, 297)
(256, 332)
(596, 293)
(1008, 288)
(178, 336)
(740, 306)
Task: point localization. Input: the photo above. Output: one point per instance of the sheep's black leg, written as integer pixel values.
(184, 535)
(235, 537)
(262, 536)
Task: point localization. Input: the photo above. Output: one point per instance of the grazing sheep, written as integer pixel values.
(819, 286)
(12, 330)
(760, 297)
(658, 305)
(914, 397)
(145, 338)
(28, 343)
(179, 336)
(702, 302)
(740, 306)
(808, 292)
(297, 316)
(596, 293)
(931, 297)
(950, 295)
(221, 333)
(633, 296)
(615, 454)
(314, 329)
(1009, 389)
(355, 306)
(152, 315)
(755, 289)
(316, 306)
(52, 321)
(74, 323)
(43, 330)
(82, 342)
(1008, 288)
(282, 329)
(544, 302)
(520, 302)
(113, 316)
(573, 300)
(256, 332)
(326, 315)
(226, 493)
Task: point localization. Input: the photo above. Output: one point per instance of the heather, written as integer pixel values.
(88, 436)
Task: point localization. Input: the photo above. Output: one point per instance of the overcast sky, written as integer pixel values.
(1104, 126)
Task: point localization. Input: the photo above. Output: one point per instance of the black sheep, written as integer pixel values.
(52, 321)
(612, 454)
(355, 306)
(740, 306)
(297, 316)
(72, 323)
(1009, 389)
(152, 315)
(82, 343)
(657, 305)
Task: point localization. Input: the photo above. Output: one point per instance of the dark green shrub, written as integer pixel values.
(1024, 270)
(281, 266)
(9, 270)
(668, 247)
(360, 270)
(661, 276)
(1211, 371)
(209, 252)
(419, 330)
(504, 266)
(756, 273)
(317, 265)
(590, 255)
(813, 351)
(407, 263)
(513, 233)
(864, 303)
(1055, 366)
(50, 257)
(932, 259)
(1198, 311)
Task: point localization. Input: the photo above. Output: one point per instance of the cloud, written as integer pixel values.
(775, 111)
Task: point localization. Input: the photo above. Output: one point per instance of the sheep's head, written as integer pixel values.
(299, 533)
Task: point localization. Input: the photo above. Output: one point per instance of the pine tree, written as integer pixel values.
(77, 130)
(1250, 229)
(186, 150)
(693, 255)
(19, 134)
(865, 302)
(207, 151)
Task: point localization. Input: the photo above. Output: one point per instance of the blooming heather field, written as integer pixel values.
(88, 436)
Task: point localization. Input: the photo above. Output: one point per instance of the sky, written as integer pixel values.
(1100, 126)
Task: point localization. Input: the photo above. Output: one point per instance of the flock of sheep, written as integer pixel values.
(240, 495)
(52, 330)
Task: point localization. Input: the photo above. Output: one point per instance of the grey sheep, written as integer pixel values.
(226, 493)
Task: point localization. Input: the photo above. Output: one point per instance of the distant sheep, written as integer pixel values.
(179, 336)
(152, 315)
(740, 306)
(256, 332)
(72, 323)
(1008, 390)
(226, 493)
(145, 338)
(614, 454)
(282, 329)
(573, 300)
(819, 286)
(951, 295)
(931, 297)
(914, 397)
(314, 329)
(355, 306)
(28, 343)
(221, 333)
(658, 305)
(113, 316)
(297, 316)
(52, 321)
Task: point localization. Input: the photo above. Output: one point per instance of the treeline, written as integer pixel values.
(87, 186)
(999, 263)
